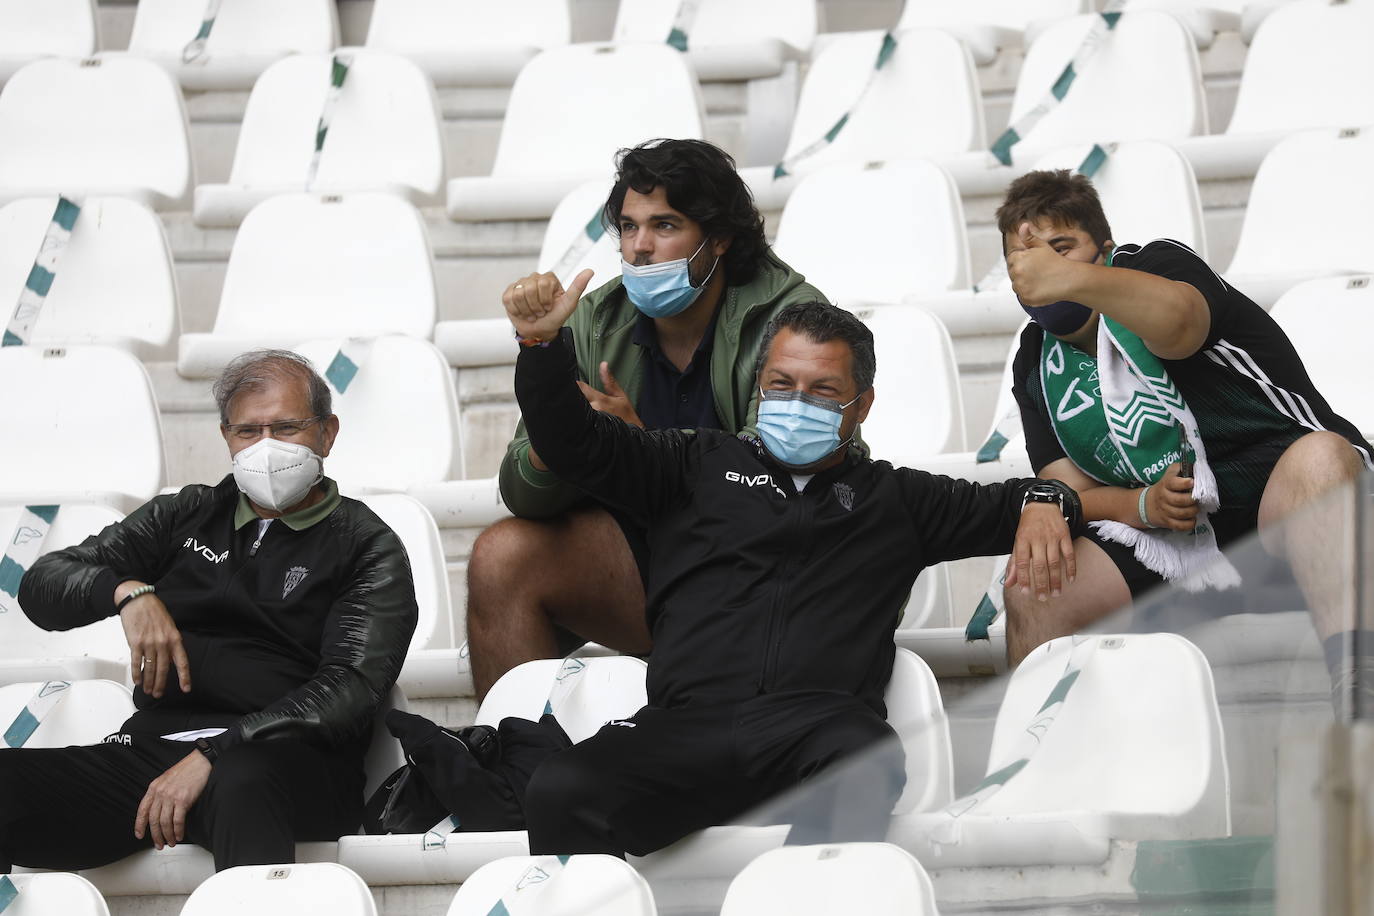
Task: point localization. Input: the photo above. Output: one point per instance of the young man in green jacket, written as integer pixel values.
(669, 344)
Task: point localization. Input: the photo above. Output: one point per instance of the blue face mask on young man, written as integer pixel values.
(799, 429)
(664, 289)
(1064, 317)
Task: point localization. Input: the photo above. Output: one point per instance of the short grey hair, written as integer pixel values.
(254, 370)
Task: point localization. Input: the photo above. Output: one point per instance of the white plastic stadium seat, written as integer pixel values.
(56, 894)
(1204, 18)
(30, 653)
(469, 43)
(929, 604)
(83, 428)
(305, 266)
(282, 890)
(1318, 177)
(727, 41)
(247, 36)
(988, 26)
(925, 103)
(53, 28)
(914, 353)
(1338, 363)
(402, 412)
(106, 125)
(560, 130)
(1300, 57)
(1147, 190)
(383, 135)
(568, 223)
(90, 711)
(1135, 752)
(1148, 42)
(877, 879)
(912, 239)
(531, 885)
(420, 536)
(695, 865)
(612, 688)
(113, 284)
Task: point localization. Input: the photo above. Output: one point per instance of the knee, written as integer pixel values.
(1324, 456)
(502, 554)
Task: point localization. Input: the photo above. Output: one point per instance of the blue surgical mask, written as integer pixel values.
(664, 289)
(799, 429)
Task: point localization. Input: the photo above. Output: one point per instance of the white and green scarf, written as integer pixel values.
(1121, 420)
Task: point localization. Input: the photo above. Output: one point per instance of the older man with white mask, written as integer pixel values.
(267, 618)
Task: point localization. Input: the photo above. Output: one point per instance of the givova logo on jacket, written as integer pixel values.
(754, 480)
(197, 547)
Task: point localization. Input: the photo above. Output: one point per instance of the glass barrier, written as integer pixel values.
(1161, 761)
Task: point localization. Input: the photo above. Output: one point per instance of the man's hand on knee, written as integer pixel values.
(162, 813)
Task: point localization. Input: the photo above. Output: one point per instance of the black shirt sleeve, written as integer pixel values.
(1176, 261)
(1042, 445)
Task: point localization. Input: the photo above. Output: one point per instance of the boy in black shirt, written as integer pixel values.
(1126, 378)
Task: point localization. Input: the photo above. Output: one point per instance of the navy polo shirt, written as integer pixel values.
(669, 399)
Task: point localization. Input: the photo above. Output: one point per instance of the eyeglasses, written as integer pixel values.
(281, 429)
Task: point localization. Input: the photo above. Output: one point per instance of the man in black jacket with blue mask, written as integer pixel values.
(778, 565)
(267, 617)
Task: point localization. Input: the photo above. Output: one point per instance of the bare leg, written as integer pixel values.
(1098, 590)
(524, 576)
(1317, 542)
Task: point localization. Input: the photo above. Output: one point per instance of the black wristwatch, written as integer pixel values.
(209, 750)
(1059, 494)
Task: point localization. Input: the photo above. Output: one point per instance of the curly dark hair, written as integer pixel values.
(700, 182)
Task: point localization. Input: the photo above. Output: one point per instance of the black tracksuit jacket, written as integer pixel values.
(308, 663)
(754, 588)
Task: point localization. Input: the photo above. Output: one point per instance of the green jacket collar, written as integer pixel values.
(296, 521)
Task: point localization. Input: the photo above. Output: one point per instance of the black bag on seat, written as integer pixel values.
(477, 773)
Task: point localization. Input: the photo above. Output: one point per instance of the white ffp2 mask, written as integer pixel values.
(276, 475)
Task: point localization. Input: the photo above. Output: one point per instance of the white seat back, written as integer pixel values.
(58, 28)
(1317, 178)
(916, 712)
(20, 637)
(384, 126)
(398, 416)
(560, 101)
(304, 265)
(610, 688)
(929, 604)
(104, 125)
(1138, 739)
(113, 284)
(1302, 51)
(413, 524)
(90, 711)
(247, 36)
(1145, 47)
(912, 240)
(85, 427)
(720, 22)
(1147, 188)
(568, 224)
(1330, 322)
(877, 879)
(925, 102)
(914, 354)
(587, 884)
(1009, 14)
(280, 890)
(54, 893)
(469, 43)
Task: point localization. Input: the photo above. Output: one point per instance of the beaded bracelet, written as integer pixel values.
(136, 593)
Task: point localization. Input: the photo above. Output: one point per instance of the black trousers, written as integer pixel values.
(74, 807)
(641, 784)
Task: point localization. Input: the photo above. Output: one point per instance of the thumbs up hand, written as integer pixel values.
(539, 306)
(1039, 274)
